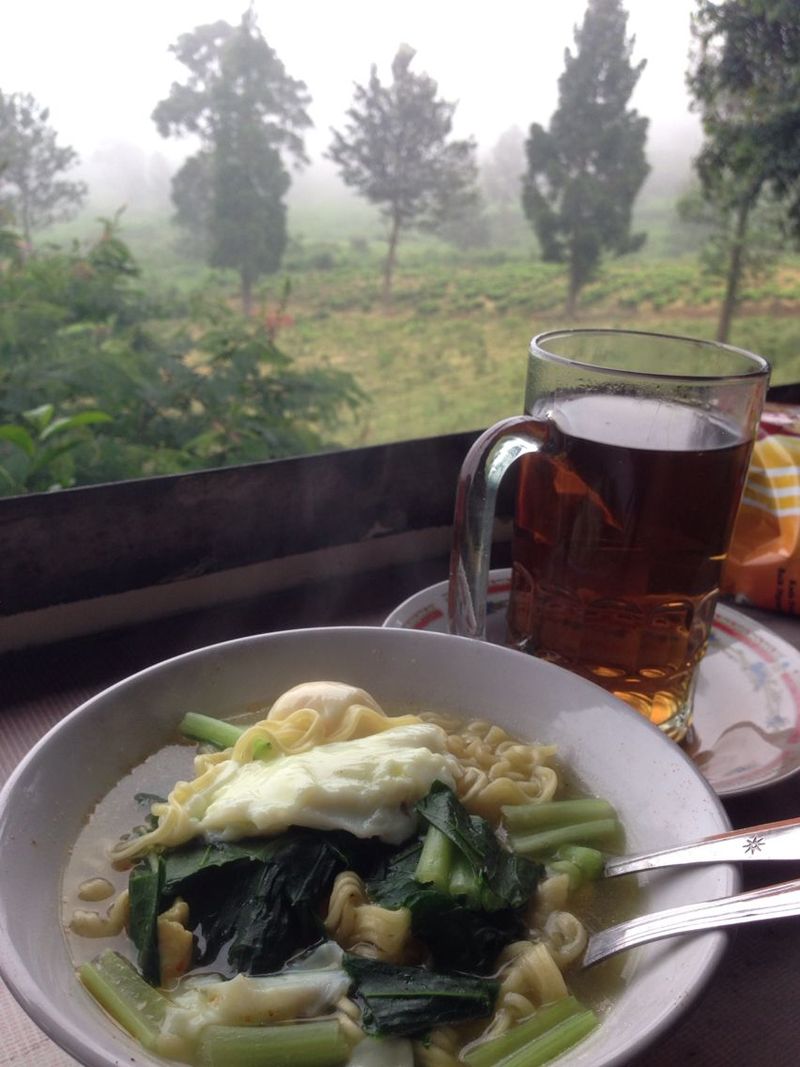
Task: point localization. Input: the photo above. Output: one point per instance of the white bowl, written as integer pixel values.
(661, 798)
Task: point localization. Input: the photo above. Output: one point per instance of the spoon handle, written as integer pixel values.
(771, 902)
(770, 841)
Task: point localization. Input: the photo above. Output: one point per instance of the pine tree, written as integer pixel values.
(248, 114)
(745, 79)
(585, 171)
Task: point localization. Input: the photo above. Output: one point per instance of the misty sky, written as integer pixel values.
(102, 65)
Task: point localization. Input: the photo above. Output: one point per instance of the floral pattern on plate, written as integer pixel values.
(746, 732)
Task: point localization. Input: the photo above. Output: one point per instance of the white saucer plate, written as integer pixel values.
(746, 732)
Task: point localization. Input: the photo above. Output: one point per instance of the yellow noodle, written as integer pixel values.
(366, 928)
(565, 936)
(484, 796)
(500, 770)
(551, 896)
(347, 895)
(348, 1015)
(531, 978)
(175, 942)
(88, 923)
(439, 1050)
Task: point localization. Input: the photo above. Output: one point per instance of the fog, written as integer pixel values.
(102, 67)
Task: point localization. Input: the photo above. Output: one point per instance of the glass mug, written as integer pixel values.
(633, 455)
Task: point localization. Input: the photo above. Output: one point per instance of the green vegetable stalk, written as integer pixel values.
(304, 1044)
(548, 1033)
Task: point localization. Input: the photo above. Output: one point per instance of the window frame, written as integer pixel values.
(77, 561)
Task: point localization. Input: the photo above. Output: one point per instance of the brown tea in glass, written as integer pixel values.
(633, 457)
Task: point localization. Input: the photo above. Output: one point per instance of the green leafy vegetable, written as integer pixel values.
(196, 860)
(392, 882)
(261, 897)
(458, 937)
(410, 1001)
(277, 917)
(146, 801)
(541, 1037)
(527, 818)
(547, 841)
(589, 861)
(210, 731)
(301, 1044)
(469, 910)
(501, 878)
(144, 888)
(436, 860)
(113, 982)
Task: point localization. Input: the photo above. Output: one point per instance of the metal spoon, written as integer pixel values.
(770, 841)
(771, 902)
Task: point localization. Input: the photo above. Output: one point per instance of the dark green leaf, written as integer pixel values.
(261, 897)
(411, 1001)
(442, 809)
(194, 861)
(461, 934)
(146, 801)
(458, 937)
(72, 422)
(18, 436)
(506, 880)
(144, 887)
(40, 416)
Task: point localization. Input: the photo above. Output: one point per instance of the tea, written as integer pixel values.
(621, 530)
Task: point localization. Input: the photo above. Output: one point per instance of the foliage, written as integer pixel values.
(503, 168)
(412, 1001)
(38, 457)
(484, 311)
(765, 237)
(396, 152)
(585, 171)
(133, 339)
(501, 174)
(259, 899)
(32, 190)
(745, 80)
(247, 111)
(186, 385)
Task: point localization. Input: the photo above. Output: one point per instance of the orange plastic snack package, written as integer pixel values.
(763, 565)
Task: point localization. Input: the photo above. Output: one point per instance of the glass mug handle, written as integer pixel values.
(479, 480)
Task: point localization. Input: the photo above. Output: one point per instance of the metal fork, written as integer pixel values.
(770, 841)
(771, 902)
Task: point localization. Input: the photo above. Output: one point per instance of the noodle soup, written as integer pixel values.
(291, 885)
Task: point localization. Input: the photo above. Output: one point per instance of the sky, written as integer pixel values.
(102, 65)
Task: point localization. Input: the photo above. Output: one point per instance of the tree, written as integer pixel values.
(396, 152)
(103, 377)
(585, 172)
(501, 180)
(714, 225)
(745, 79)
(502, 169)
(32, 190)
(248, 114)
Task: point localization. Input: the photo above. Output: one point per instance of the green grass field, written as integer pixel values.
(450, 353)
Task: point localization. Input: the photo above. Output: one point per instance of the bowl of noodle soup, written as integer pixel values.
(508, 729)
